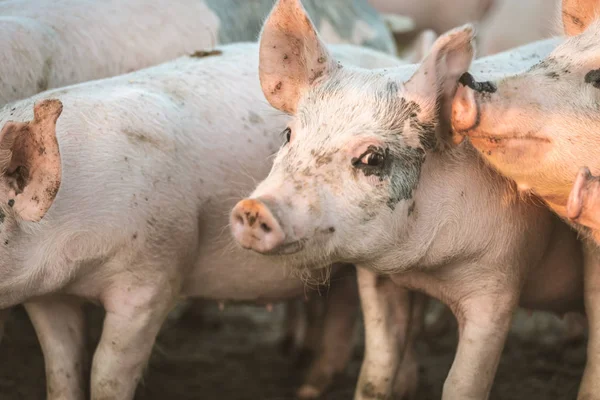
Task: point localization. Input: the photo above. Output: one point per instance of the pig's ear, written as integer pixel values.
(292, 57)
(30, 161)
(437, 78)
(577, 15)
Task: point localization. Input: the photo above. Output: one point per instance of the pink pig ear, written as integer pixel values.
(292, 57)
(577, 15)
(30, 161)
(437, 78)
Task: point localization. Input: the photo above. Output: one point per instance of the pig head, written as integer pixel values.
(355, 143)
(540, 127)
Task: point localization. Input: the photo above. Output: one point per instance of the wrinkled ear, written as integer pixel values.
(30, 161)
(437, 77)
(577, 15)
(292, 57)
(583, 205)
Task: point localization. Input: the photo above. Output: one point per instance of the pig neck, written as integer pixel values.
(462, 209)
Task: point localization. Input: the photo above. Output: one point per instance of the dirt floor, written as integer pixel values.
(233, 355)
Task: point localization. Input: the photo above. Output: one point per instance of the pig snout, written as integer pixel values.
(255, 227)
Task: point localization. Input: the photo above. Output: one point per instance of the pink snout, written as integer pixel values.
(255, 227)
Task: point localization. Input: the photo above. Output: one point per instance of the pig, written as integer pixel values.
(513, 23)
(117, 191)
(53, 44)
(537, 127)
(370, 176)
(437, 15)
(49, 44)
(521, 125)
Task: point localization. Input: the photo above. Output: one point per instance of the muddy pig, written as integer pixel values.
(49, 44)
(538, 127)
(117, 191)
(53, 44)
(369, 175)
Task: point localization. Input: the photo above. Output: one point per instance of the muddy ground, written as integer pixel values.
(233, 355)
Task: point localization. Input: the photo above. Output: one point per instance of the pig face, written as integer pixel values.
(355, 144)
(540, 127)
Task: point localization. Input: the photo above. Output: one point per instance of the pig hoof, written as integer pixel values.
(308, 392)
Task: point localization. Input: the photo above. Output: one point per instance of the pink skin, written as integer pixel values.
(370, 176)
(583, 206)
(539, 128)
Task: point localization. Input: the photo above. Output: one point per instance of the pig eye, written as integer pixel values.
(287, 133)
(373, 157)
(593, 77)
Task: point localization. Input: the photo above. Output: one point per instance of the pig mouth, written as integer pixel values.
(288, 248)
(491, 142)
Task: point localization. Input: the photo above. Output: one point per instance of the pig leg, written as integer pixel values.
(59, 323)
(4, 314)
(387, 316)
(293, 327)
(336, 343)
(484, 322)
(406, 382)
(314, 309)
(134, 315)
(590, 383)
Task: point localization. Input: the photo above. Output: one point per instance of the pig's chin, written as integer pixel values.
(287, 248)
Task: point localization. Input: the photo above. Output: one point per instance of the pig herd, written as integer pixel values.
(433, 176)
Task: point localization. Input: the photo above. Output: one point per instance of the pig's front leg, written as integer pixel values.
(387, 312)
(59, 323)
(134, 315)
(590, 383)
(484, 318)
(336, 344)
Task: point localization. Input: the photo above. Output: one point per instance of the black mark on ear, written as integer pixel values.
(593, 77)
(484, 87)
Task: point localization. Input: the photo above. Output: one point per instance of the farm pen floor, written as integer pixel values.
(233, 355)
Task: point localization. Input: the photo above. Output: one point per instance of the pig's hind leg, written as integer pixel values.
(393, 318)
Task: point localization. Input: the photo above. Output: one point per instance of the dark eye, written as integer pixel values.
(288, 134)
(373, 159)
(593, 77)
